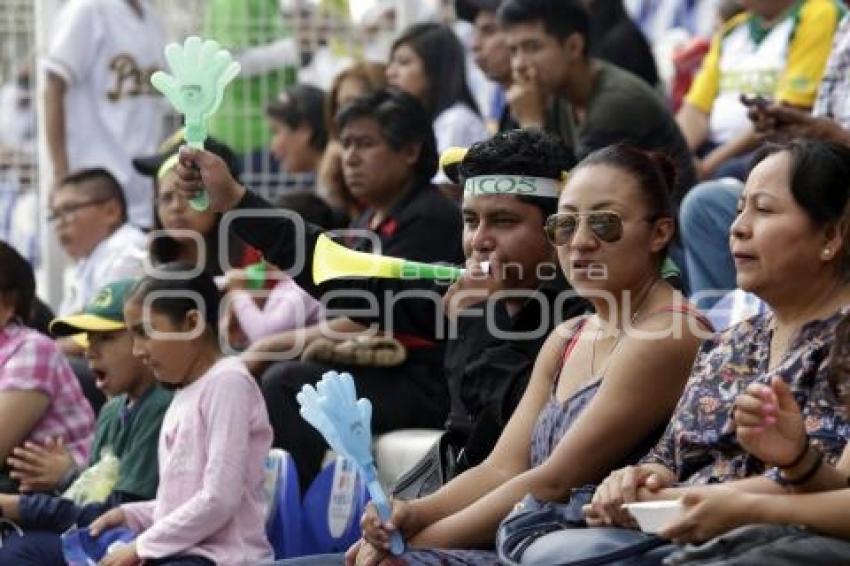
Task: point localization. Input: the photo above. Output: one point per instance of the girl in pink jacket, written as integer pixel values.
(209, 508)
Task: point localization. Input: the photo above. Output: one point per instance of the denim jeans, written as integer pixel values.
(44, 517)
(777, 545)
(41, 511)
(705, 216)
(314, 560)
(181, 561)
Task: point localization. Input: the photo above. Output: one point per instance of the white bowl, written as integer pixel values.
(652, 516)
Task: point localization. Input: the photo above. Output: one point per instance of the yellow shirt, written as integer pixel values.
(786, 63)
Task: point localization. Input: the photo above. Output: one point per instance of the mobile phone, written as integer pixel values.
(756, 100)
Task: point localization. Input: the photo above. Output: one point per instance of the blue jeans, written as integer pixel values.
(736, 167)
(778, 545)
(44, 517)
(41, 511)
(42, 548)
(314, 560)
(705, 216)
(181, 561)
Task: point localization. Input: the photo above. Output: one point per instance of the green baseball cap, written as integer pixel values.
(104, 313)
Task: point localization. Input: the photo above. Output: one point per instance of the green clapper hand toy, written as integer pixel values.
(201, 71)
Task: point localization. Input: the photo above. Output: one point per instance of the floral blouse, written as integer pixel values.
(698, 443)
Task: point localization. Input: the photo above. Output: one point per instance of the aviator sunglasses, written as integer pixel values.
(606, 225)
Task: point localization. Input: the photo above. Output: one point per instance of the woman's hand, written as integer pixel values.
(709, 513)
(361, 553)
(124, 555)
(40, 467)
(606, 507)
(769, 424)
(113, 518)
(378, 534)
(201, 170)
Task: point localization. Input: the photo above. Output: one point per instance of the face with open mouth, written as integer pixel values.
(116, 370)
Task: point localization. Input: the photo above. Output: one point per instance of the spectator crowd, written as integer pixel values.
(654, 305)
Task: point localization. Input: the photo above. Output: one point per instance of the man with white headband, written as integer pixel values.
(493, 323)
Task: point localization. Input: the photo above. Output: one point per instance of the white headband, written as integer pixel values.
(520, 185)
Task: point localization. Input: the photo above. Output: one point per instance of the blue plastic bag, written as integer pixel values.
(81, 549)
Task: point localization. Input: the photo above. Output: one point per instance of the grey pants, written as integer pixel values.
(777, 545)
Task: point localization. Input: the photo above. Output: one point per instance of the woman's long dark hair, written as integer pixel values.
(17, 280)
(444, 62)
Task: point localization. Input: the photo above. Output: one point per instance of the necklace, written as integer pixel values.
(597, 377)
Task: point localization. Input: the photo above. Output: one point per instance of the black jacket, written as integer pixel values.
(486, 374)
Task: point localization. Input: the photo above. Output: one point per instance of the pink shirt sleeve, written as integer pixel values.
(31, 367)
(231, 404)
(288, 307)
(33, 362)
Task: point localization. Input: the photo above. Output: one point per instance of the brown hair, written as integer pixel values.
(653, 172)
(370, 73)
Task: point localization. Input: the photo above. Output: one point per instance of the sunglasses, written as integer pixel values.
(606, 225)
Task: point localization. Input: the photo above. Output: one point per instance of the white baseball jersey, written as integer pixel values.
(106, 53)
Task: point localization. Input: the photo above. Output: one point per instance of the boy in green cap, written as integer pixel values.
(127, 427)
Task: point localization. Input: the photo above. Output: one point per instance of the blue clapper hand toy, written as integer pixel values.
(333, 409)
(201, 70)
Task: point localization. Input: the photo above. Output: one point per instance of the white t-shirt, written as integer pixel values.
(106, 54)
(120, 256)
(457, 126)
(747, 67)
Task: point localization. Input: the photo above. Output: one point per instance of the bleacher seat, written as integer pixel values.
(328, 519)
(398, 451)
(284, 527)
(332, 508)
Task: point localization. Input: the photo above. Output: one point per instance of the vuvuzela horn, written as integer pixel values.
(332, 260)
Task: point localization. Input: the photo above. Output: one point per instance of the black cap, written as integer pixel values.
(468, 9)
(149, 165)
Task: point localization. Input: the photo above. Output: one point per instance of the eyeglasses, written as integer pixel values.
(606, 225)
(69, 211)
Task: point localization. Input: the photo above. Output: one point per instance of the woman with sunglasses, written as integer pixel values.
(585, 411)
(734, 452)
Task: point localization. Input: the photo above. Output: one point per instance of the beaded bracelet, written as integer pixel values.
(810, 473)
(799, 457)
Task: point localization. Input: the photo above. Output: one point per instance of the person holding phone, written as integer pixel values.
(773, 49)
(709, 209)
